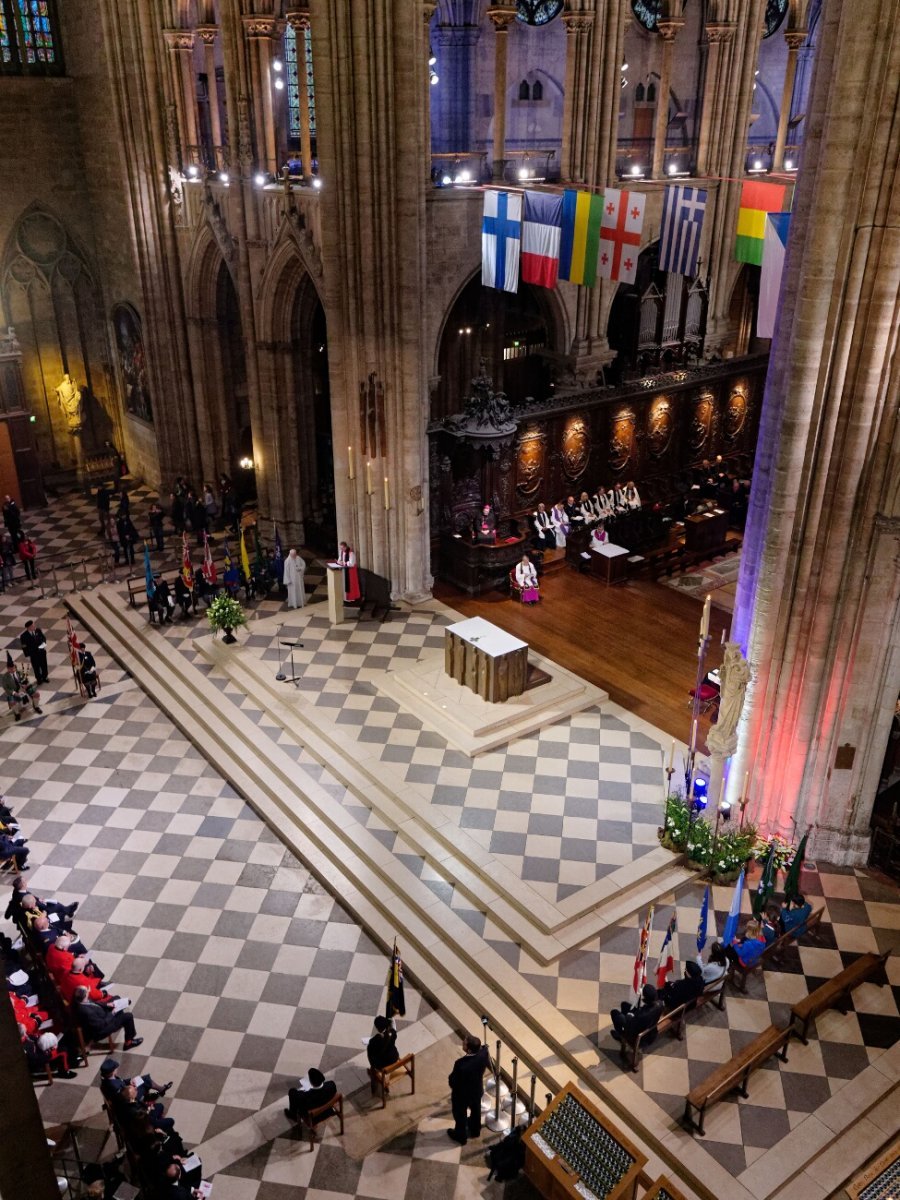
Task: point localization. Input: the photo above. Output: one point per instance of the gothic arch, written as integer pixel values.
(287, 268)
(203, 265)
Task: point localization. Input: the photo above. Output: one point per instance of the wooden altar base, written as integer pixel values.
(474, 725)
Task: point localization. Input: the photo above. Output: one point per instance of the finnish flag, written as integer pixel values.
(501, 238)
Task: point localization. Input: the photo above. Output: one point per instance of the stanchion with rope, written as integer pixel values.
(512, 1104)
(498, 1122)
(531, 1107)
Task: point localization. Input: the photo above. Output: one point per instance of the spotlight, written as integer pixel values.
(446, 180)
(193, 171)
(672, 168)
(435, 78)
(625, 66)
(524, 172)
(432, 58)
(757, 164)
(789, 164)
(465, 176)
(246, 464)
(259, 179)
(701, 792)
(317, 183)
(277, 64)
(279, 83)
(725, 809)
(636, 170)
(223, 177)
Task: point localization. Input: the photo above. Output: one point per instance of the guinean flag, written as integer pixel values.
(766, 885)
(640, 963)
(792, 879)
(666, 962)
(396, 1003)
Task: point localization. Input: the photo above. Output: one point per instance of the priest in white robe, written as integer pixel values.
(294, 571)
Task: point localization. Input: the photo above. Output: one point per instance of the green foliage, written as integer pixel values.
(721, 856)
(225, 613)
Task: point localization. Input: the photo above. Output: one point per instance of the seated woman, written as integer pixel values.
(560, 523)
(543, 537)
(526, 578)
(748, 950)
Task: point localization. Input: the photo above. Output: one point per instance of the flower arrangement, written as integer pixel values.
(225, 613)
(784, 851)
(721, 855)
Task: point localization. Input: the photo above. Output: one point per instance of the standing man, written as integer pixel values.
(34, 646)
(18, 692)
(28, 555)
(466, 1087)
(294, 571)
(87, 669)
(12, 518)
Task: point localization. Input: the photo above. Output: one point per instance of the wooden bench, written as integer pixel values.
(836, 992)
(384, 1077)
(739, 971)
(317, 1116)
(734, 1074)
(672, 1022)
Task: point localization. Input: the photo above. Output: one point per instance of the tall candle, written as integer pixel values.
(387, 494)
(704, 620)
(351, 467)
(672, 756)
(746, 788)
(694, 735)
(368, 479)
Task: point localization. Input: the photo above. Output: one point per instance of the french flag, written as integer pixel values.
(541, 231)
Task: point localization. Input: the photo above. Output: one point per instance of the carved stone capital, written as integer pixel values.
(502, 16)
(576, 23)
(669, 28)
(429, 8)
(207, 34)
(795, 38)
(179, 39)
(298, 18)
(256, 26)
(720, 32)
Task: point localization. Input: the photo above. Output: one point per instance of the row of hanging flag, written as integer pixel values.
(580, 237)
(208, 567)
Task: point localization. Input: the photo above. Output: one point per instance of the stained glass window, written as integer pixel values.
(28, 37)
(37, 34)
(5, 38)
(292, 68)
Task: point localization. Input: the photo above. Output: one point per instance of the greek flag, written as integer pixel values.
(501, 239)
(682, 224)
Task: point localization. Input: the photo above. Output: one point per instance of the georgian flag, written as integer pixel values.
(501, 236)
(620, 235)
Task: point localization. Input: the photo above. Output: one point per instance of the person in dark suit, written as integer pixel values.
(683, 991)
(466, 1087)
(111, 1084)
(34, 647)
(87, 669)
(98, 1022)
(382, 1048)
(304, 1100)
(629, 1021)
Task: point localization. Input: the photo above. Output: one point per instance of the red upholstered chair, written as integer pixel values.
(514, 589)
(708, 697)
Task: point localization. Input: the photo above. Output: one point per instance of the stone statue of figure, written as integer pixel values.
(485, 407)
(734, 674)
(69, 396)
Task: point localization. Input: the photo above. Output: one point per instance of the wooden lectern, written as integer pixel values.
(335, 593)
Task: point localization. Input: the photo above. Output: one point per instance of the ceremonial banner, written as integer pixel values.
(774, 251)
(620, 235)
(757, 199)
(682, 223)
(666, 962)
(640, 963)
(579, 244)
(541, 231)
(210, 574)
(396, 1001)
(245, 558)
(734, 913)
(702, 925)
(187, 570)
(501, 236)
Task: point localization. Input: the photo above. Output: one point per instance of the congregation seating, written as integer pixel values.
(837, 991)
(672, 1022)
(310, 1121)
(739, 973)
(734, 1074)
(383, 1078)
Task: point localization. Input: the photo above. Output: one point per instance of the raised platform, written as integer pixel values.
(474, 725)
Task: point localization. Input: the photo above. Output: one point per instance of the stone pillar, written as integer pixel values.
(208, 34)
(371, 76)
(453, 102)
(717, 35)
(501, 17)
(298, 19)
(577, 86)
(818, 601)
(667, 30)
(794, 39)
(260, 32)
(181, 47)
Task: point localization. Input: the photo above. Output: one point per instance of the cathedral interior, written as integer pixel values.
(245, 250)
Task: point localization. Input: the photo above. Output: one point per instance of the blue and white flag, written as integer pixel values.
(774, 251)
(682, 224)
(501, 239)
(734, 913)
(703, 923)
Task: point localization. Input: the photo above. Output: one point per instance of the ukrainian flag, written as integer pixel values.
(757, 201)
(579, 244)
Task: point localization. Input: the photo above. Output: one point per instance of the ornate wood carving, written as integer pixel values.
(660, 428)
(530, 462)
(372, 429)
(735, 414)
(621, 440)
(702, 422)
(576, 447)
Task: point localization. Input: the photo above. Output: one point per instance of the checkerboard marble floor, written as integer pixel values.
(244, 973)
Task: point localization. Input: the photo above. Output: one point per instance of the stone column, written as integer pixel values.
(371, 76)
(260, 31)
(818, 599)
(667, 30)
(794, 39)
(717, 35)
(181, 46)
(298, 19)
(501, 17)
(208, 34)
(577, 85)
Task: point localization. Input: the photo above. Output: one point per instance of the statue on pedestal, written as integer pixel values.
(69, 396)
(487, 419)
(735, 675)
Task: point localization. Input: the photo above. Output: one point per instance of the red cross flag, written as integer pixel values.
(620, 235)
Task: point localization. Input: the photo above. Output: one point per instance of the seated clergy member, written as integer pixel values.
(526, 578)
(618, 494)
(606, 503)
(560, 524)
(630, 495)
(574, 513)
(543, 537)
(586, 508)
(486, 527)
(599, 536)
(304, 1099)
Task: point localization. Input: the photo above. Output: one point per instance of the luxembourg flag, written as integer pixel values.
(774, 250)
(501, 237)
(541, 232)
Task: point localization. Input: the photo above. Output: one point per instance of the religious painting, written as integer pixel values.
(660, 428)
(130, 348)
(701, 425)
(530, 462)
(735, 415)
(576, 447)
(621, 440)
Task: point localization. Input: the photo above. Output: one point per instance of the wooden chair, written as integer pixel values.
(318, 1116)
(515, 590)
(384, 1077)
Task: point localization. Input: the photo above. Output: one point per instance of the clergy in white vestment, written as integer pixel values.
(294, 571)
(526, 578)
(544, 537)
(560, 523)
(631, 497)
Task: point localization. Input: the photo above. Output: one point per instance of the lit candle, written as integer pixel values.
(694, 735)
(746, 788)
(368, 479)
(672, 756)
(351, 468)
(387, 494)
(704, 620)
(723, 637)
